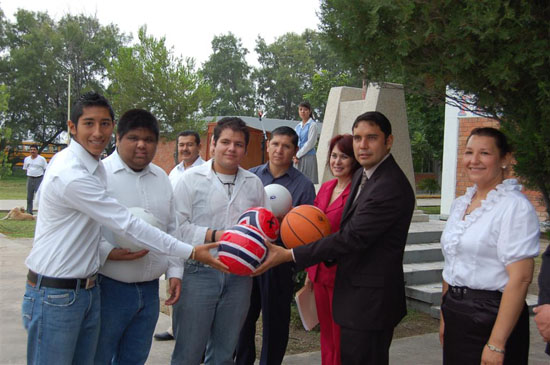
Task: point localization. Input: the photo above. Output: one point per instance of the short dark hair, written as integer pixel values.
(306, 104)
(500, 138)
(189, 133)
(89, 99)
(34, 145)
(286, 131)
(345, 145)
(235, 124)
(376, 118)
(137, 118)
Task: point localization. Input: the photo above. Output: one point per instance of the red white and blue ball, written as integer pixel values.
(263, 220)
(242, 249)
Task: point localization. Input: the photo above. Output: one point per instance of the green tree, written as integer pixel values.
(40, 54)
(426, 122)
(295, 68)
(284, 76)
(494, 51)
(228, 74)
(148, 75)
(5, 135)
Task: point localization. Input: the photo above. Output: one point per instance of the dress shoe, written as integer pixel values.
(163, 336)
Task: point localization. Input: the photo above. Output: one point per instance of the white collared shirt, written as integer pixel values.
(478, 247)
(73, 205)
(202, 201)
(149, 189)
(35, 166)
(179, 169)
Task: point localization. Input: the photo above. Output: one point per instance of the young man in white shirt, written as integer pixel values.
(130, 285)
(35, 165)
(61, 305)
(189, 148)
(209, 199)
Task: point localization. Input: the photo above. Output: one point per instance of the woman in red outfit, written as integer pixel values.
(331, 199)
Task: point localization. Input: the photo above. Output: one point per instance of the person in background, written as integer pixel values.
(489, 242)
(369, 287)
(61, 304)
(308, 132)
(209, 199)
(35, 165)
(188, 147)
(331, 199)
(129, 280)
(542, 311)
(272, 292)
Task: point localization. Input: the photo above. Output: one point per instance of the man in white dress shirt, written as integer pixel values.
(130, 288)
(35, 165)
(189, 148)
(61, 305)
(210, 198)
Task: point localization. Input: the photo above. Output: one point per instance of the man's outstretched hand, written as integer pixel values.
(275, 256)
(202, 254)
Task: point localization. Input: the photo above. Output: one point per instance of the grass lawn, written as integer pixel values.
(15, 186)
(430, 210)
(17, 229)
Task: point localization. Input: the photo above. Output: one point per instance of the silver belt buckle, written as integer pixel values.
(90, 282)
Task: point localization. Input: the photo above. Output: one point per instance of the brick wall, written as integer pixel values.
(465, 127)
(165, 155)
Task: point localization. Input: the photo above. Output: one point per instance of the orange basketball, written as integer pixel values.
(304, 224)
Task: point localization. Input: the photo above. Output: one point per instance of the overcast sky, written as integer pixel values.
(189, 26)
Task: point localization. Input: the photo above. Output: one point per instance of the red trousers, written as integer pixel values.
(330, 331)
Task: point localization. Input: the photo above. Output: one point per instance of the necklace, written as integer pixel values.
(229, 185)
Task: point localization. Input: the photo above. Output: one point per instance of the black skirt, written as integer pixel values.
(469, 318)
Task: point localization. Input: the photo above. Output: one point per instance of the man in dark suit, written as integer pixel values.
(369, 292)
(542, 311)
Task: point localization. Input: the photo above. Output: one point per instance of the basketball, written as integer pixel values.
(304, 224)
(145, 215)
(262, 219)
(242, 249)
(280, 200)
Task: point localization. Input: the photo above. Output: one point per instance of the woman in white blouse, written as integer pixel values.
(489, 242)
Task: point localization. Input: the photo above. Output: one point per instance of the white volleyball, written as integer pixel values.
(144, 214)
(279, 199)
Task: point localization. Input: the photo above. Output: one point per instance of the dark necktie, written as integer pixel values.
(362, 185)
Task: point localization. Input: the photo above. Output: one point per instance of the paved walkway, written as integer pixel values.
(423, 349)
(7, 205)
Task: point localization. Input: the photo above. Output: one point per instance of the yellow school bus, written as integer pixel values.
(22, 150)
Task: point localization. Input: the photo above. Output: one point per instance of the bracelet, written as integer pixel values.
(193, 254)
(213, 238)
(494, 348)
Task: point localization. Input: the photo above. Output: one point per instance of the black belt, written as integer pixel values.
(57, 283)
(196, 263)
(463, 292)
(35, 177)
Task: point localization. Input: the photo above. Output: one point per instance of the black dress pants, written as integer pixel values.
(359, 347)
(468, 325)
